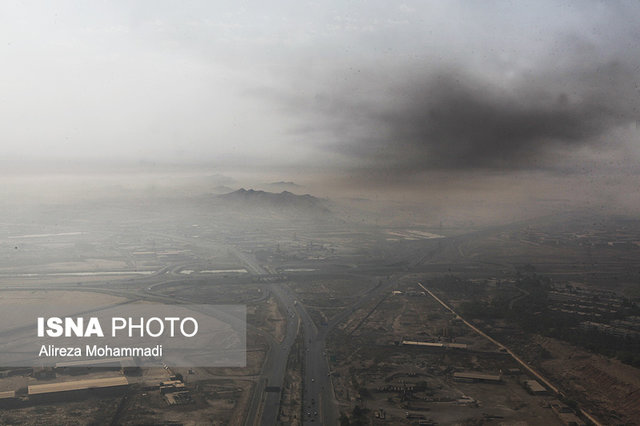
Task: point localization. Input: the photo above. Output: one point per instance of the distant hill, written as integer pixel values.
(282, 203)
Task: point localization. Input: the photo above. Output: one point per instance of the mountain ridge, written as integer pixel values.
(284, 201)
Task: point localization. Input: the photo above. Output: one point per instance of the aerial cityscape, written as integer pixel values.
(339, 213)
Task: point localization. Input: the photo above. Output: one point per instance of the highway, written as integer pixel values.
(266, 405)
(319, 403)
(276, 362)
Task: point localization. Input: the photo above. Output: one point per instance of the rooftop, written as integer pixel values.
(7, 394)
(476, 376)
(77, 385)
(534, 386)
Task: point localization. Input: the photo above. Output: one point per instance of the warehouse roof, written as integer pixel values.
(435, 344)
(7, 394)
(77, 385)
(477, 376)
(534, 386)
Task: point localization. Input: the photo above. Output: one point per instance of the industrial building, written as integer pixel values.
(61, 390)
(535, 388)
(434, 344)
(171, 386)
(473, 377)
(175, 393)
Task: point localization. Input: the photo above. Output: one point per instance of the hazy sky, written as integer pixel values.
(377, 90)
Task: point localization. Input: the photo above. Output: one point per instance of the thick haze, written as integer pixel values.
(375, 92)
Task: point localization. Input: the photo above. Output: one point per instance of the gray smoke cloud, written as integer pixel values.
(453, 119)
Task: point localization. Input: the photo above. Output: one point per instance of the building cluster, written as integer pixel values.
(175, 393)
(598, 309)
(62, 384)
(597, 237)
